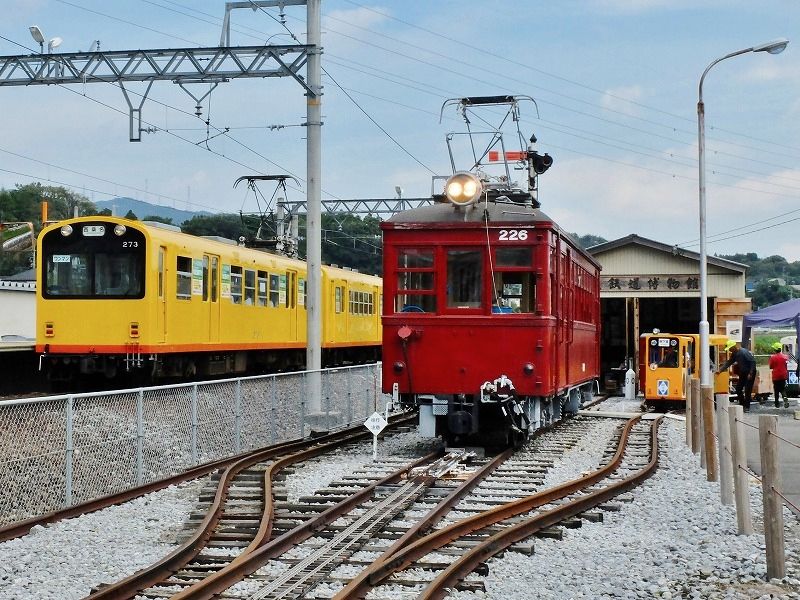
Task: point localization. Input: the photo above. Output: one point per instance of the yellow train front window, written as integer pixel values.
(663, 352)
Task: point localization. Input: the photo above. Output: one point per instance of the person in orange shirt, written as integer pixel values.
(778, 364)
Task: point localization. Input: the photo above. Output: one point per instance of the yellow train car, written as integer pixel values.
(115, 295)
(664, 360)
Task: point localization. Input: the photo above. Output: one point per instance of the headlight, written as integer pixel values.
(66, 230)
(119, 230)
(463, 188)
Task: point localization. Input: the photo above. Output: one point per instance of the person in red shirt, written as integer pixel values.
(778, 364)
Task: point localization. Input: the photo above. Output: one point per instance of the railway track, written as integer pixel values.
(338, 548)
(239, 514)
(429, 567)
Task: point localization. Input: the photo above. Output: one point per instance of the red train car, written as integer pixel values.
(491, 320)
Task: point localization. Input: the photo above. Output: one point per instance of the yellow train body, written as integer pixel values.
(664, 360)
(116, 293)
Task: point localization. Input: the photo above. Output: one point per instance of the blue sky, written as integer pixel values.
(615, 81)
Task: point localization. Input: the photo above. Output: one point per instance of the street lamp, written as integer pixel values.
(773, 47)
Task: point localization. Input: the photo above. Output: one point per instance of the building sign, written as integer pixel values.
(650, 283)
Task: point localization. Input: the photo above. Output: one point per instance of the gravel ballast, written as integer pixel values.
(65, 560)
(675, 540)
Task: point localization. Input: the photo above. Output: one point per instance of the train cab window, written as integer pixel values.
(236, 285)
(464, 278)
(663, 352)
(249, 287)
(514, 281)
(301, 292)
(415, 281)
(274, 290)
(263, 287)
(184, 277)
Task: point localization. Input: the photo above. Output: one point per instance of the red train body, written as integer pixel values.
(491, 313)
(475, 293)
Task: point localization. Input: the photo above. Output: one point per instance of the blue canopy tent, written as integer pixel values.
(785, 313)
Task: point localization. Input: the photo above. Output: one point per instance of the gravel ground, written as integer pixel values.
(675, 541)
(64, 560)
(318, 473)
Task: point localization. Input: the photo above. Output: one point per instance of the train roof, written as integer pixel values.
(497, 213)
(447, 213)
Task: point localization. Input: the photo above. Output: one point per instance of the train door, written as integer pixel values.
(211, 294)
(291, 302)
(161, 309)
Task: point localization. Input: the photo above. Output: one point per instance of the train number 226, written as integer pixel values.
(510, 235)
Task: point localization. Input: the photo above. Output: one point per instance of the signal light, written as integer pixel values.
(540, 163)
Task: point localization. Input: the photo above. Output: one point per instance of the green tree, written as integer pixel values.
(157, 219)
(589, 240)
(131, 216)
(769, 293)
(24, 203)
(223, 225)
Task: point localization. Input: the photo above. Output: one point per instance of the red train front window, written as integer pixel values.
(416, 281)
(464, 278)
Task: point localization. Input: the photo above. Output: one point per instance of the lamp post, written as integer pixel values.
(773, 47)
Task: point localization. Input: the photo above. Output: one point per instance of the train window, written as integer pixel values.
(514, 292)
(249, 287)
(301, 286)
(513, 257)
(415, 258)
(464, 278)
(161, 252)
(291, 298)
(274, 290)
(338, 294)
(205, 278)
(184, 277)
(236, 285)
(214, 276)
(263, 287)
(416, 281)
(663, 352)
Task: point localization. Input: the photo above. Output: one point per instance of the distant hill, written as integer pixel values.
(142, 209)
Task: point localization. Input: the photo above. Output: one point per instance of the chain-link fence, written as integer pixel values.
(62, 450)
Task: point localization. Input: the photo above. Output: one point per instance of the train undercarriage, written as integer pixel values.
(496, 417)
(137, 369)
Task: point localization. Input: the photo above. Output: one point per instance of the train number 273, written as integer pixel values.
(510, 235)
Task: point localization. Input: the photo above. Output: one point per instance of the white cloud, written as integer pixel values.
(617, 99)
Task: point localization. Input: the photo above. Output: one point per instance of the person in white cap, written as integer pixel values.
(745, 368)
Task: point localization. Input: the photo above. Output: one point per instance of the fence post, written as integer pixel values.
(725, 468)
(237, 418)
(349, 396)
(744, 519)
(194, 424)
(773, 506)
(695, 387)
(707, 393)
(274, 403)
(140, 438)
(68, 451)
(304, 388)
(687, 385)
